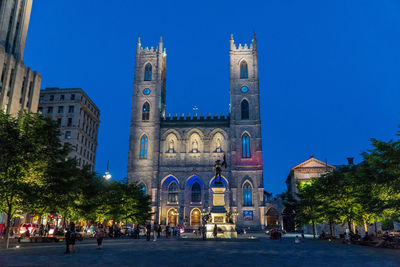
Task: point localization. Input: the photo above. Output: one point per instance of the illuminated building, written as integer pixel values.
(172, 156)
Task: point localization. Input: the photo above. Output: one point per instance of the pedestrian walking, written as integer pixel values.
(155, 229)
(148, 231)
(167, 231)
(215, 232)
(100, 233)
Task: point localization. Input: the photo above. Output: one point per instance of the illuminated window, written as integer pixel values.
(243, 70)
(143, 147)
(245, 109)
(247, 195)
(173, 193)
(142, 188)
(147, 72)
(146, 112)
(196, 192)
(246, 146)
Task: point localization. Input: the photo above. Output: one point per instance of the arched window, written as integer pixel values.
(147, 72)
(196, 192)
(173, 193)
(245, 109)
(146, 111)
(243, 70)
(143, 147)
(142, 188)
(246, 146)
(247, 195)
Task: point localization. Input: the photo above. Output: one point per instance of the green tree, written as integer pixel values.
(27, 145)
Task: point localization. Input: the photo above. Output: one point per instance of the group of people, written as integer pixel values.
(71, 237)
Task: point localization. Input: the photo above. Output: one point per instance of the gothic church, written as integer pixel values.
(172, 156)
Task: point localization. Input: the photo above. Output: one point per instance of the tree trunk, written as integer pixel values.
(376, 229)
(349, 225)
(313, 228)
(9, 217)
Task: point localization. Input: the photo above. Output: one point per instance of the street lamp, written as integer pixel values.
(107, 174)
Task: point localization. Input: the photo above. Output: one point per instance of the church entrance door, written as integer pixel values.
(172, 217)
(195, 217)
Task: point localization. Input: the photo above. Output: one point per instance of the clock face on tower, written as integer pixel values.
(244, 89)
(146, 91)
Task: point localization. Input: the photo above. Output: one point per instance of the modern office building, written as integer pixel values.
(78, 118)
(19, 85)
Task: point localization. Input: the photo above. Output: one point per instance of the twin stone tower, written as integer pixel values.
(172, 157)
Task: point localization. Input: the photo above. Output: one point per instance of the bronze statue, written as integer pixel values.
(218, 169)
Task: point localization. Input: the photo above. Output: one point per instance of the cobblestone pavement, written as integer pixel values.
(264, 252)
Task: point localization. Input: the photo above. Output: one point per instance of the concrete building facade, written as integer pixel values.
(19, 85)
(172, 157)
(78, 119)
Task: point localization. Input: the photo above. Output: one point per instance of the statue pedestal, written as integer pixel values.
(218, 215)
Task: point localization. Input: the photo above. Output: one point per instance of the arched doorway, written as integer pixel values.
(172, 217)
(195, 217)
(272, 218)
(288, 220)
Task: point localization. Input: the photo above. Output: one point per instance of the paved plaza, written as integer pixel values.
(172, 252)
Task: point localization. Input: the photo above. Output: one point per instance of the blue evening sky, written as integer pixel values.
(329, 70)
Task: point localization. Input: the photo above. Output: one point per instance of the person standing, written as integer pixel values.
(167, 231)
(159, 231)
(203, 231)
(100, 233)
(155, 229)
(148, 231)
(215, 232)
(70, 238)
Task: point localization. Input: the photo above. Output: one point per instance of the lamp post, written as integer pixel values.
(107, 174)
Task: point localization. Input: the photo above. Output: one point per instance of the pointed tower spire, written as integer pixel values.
(138, 45)
(160, 44)
(254, 41)
(232, 42)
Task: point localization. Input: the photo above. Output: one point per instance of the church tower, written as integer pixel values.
(148, 105)
(245, 127)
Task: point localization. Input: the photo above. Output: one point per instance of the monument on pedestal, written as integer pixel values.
(218, 216)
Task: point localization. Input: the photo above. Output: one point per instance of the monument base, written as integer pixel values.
(225, 230)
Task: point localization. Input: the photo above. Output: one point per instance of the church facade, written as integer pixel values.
(172, 157)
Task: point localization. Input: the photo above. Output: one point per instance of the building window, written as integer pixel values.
(146, 112)
(196, 192)
(173, 193)
(60, 109)
(246, 146)
(50, 110)
(142, 188)
(247, 195)
(62, 97)
(40, 110)
(68, 135)
(143, 147)
(71, 109)
(59, 121)
(51, 97)
(243, 70)
(244, 106)
(69, 122)
(73, 97)
(147, 72)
